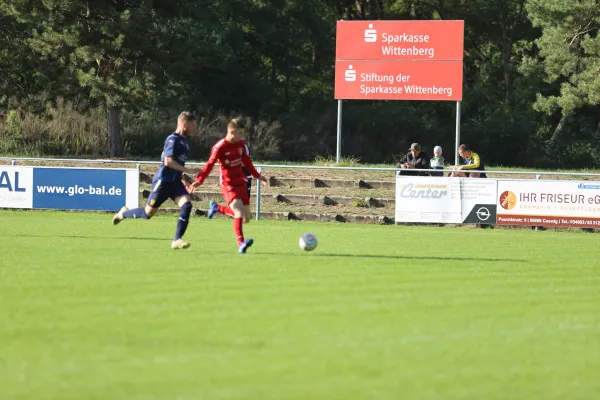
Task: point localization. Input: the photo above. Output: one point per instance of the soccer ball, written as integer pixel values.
(308, 242)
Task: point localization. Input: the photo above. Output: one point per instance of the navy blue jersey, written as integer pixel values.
(176, 146)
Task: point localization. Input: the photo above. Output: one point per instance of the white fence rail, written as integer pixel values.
(15, 160)
(261, 167)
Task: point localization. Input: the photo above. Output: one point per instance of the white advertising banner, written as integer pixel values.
(427, 199)
(478, 200)
(549, 203)
(445, 200)
(16, 187)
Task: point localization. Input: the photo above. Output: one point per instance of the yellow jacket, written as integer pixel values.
(473, 162)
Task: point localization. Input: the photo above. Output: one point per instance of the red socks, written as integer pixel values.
(225, 210)
(237, 228)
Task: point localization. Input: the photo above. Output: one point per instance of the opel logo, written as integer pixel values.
(483, 214)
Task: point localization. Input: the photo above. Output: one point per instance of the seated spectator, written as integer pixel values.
(437, 162)
(471, 162)
(415, 159)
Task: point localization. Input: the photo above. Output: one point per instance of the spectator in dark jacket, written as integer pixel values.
(415, 159)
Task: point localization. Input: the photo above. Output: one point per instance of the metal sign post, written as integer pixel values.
(338, 154)
(457, 133)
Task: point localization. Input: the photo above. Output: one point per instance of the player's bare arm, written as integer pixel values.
(247, 161)
(192, 188)
(171, 163)
(206, 170)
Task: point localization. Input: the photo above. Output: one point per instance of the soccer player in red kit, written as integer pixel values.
(232, 156)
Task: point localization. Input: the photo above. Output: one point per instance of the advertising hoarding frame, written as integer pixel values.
(370, 24)
(423, 199)
(68, 188)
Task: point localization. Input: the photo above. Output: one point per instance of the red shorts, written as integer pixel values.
(230, 193)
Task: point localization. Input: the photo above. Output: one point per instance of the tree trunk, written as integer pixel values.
(555, 145)
(115, 141)
(506, 55)
(361, 9)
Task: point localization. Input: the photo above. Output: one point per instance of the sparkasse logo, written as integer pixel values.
(370, 34)
(350, 74)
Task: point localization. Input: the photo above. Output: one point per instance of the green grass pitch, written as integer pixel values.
(93, 311)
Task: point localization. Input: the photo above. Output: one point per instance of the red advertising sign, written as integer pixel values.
(552, 221)
(400, 40)
(368, 80)
(549, 203)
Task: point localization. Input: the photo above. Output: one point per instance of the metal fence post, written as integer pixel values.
(258, 183)
(457, 139)
(138, 166)
(338, 153)
(537, 176)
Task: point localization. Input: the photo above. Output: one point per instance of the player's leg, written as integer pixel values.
(182, 199)
(246, 202)
(474, 175)
(238, 214)
(247, 214)
(157, 196)
(214, 207)
(185, 211)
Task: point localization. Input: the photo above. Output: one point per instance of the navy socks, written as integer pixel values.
(184, 219)
(182, 222)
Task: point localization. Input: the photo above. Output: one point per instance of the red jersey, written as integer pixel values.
(231, 157)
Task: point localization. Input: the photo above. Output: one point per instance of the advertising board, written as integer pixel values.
(549, 203)
(68, 188)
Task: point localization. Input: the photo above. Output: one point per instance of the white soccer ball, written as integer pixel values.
(308, 242)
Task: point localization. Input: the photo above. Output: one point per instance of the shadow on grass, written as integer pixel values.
(91, 237)
(317, 254)
(380, 256)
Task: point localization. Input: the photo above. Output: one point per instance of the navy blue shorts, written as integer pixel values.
(163, 191)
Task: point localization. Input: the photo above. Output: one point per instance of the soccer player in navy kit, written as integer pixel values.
(168, 181)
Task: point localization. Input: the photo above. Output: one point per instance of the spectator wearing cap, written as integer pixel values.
(415, 159)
